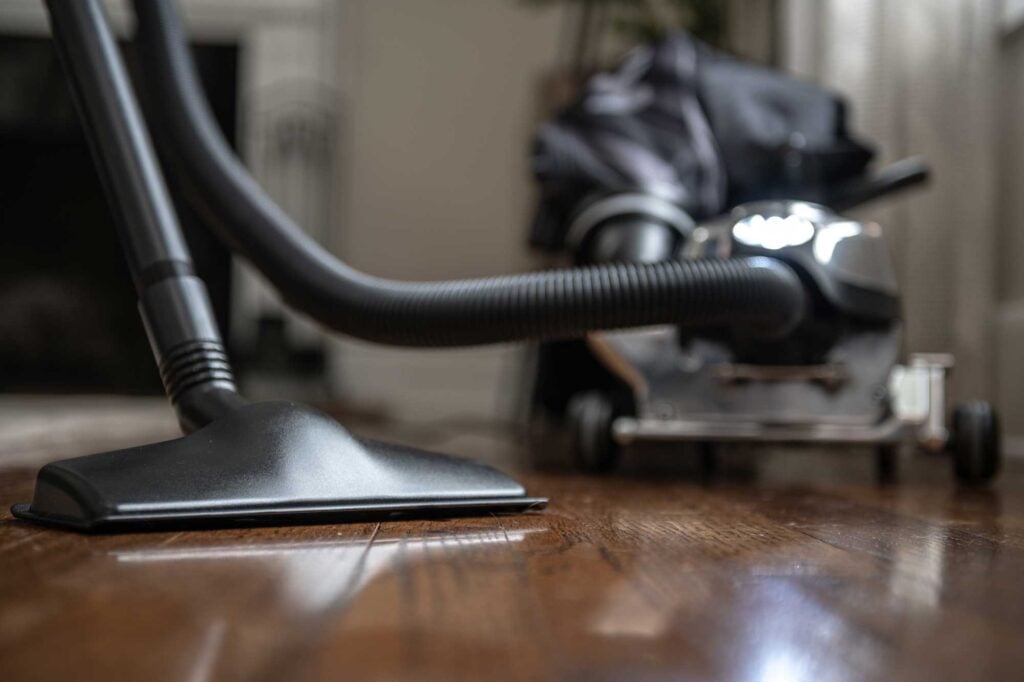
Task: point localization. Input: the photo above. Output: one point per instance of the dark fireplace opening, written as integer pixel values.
(68, 317)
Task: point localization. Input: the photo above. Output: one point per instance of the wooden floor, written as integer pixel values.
(643, 576)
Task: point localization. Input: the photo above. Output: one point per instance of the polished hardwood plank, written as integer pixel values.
(811, 574)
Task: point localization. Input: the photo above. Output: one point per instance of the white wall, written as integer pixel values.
(441, 98)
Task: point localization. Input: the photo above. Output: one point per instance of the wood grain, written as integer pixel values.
(641, 576)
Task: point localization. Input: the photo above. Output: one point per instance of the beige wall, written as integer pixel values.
(440, 101)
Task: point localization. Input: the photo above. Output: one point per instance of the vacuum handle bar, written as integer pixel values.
(173, 301)
(893, 178)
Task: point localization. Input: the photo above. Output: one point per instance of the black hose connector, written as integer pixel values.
(183, 334)
(542, 305)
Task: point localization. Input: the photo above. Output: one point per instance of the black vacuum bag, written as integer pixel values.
(696, 126)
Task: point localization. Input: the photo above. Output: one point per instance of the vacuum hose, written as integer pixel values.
(762, 293)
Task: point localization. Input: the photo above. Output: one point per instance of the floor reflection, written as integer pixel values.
(203, 665)
(917, 570)
(316, 575)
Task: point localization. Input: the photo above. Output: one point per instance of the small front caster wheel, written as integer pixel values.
(590, 421)
(974, 442)
(709, 460)
(887, 457)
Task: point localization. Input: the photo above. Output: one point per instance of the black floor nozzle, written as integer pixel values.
(272, 462)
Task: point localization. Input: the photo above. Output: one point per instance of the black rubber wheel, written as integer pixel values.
(590, 419)
(974, 442)
(887, 463)
(709, 461)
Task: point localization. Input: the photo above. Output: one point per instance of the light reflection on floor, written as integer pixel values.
(316, 575)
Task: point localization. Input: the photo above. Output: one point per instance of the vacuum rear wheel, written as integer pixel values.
(590, 420)
(974, 442)
(887, 463)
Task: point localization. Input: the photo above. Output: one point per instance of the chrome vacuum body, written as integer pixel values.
(685, 154)
(836, 379)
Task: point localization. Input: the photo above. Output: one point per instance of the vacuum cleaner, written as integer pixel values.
(280, 462)
(685, 154)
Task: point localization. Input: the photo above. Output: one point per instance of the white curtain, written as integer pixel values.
(922, 78)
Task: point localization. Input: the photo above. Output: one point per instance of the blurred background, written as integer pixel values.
(398, 133)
